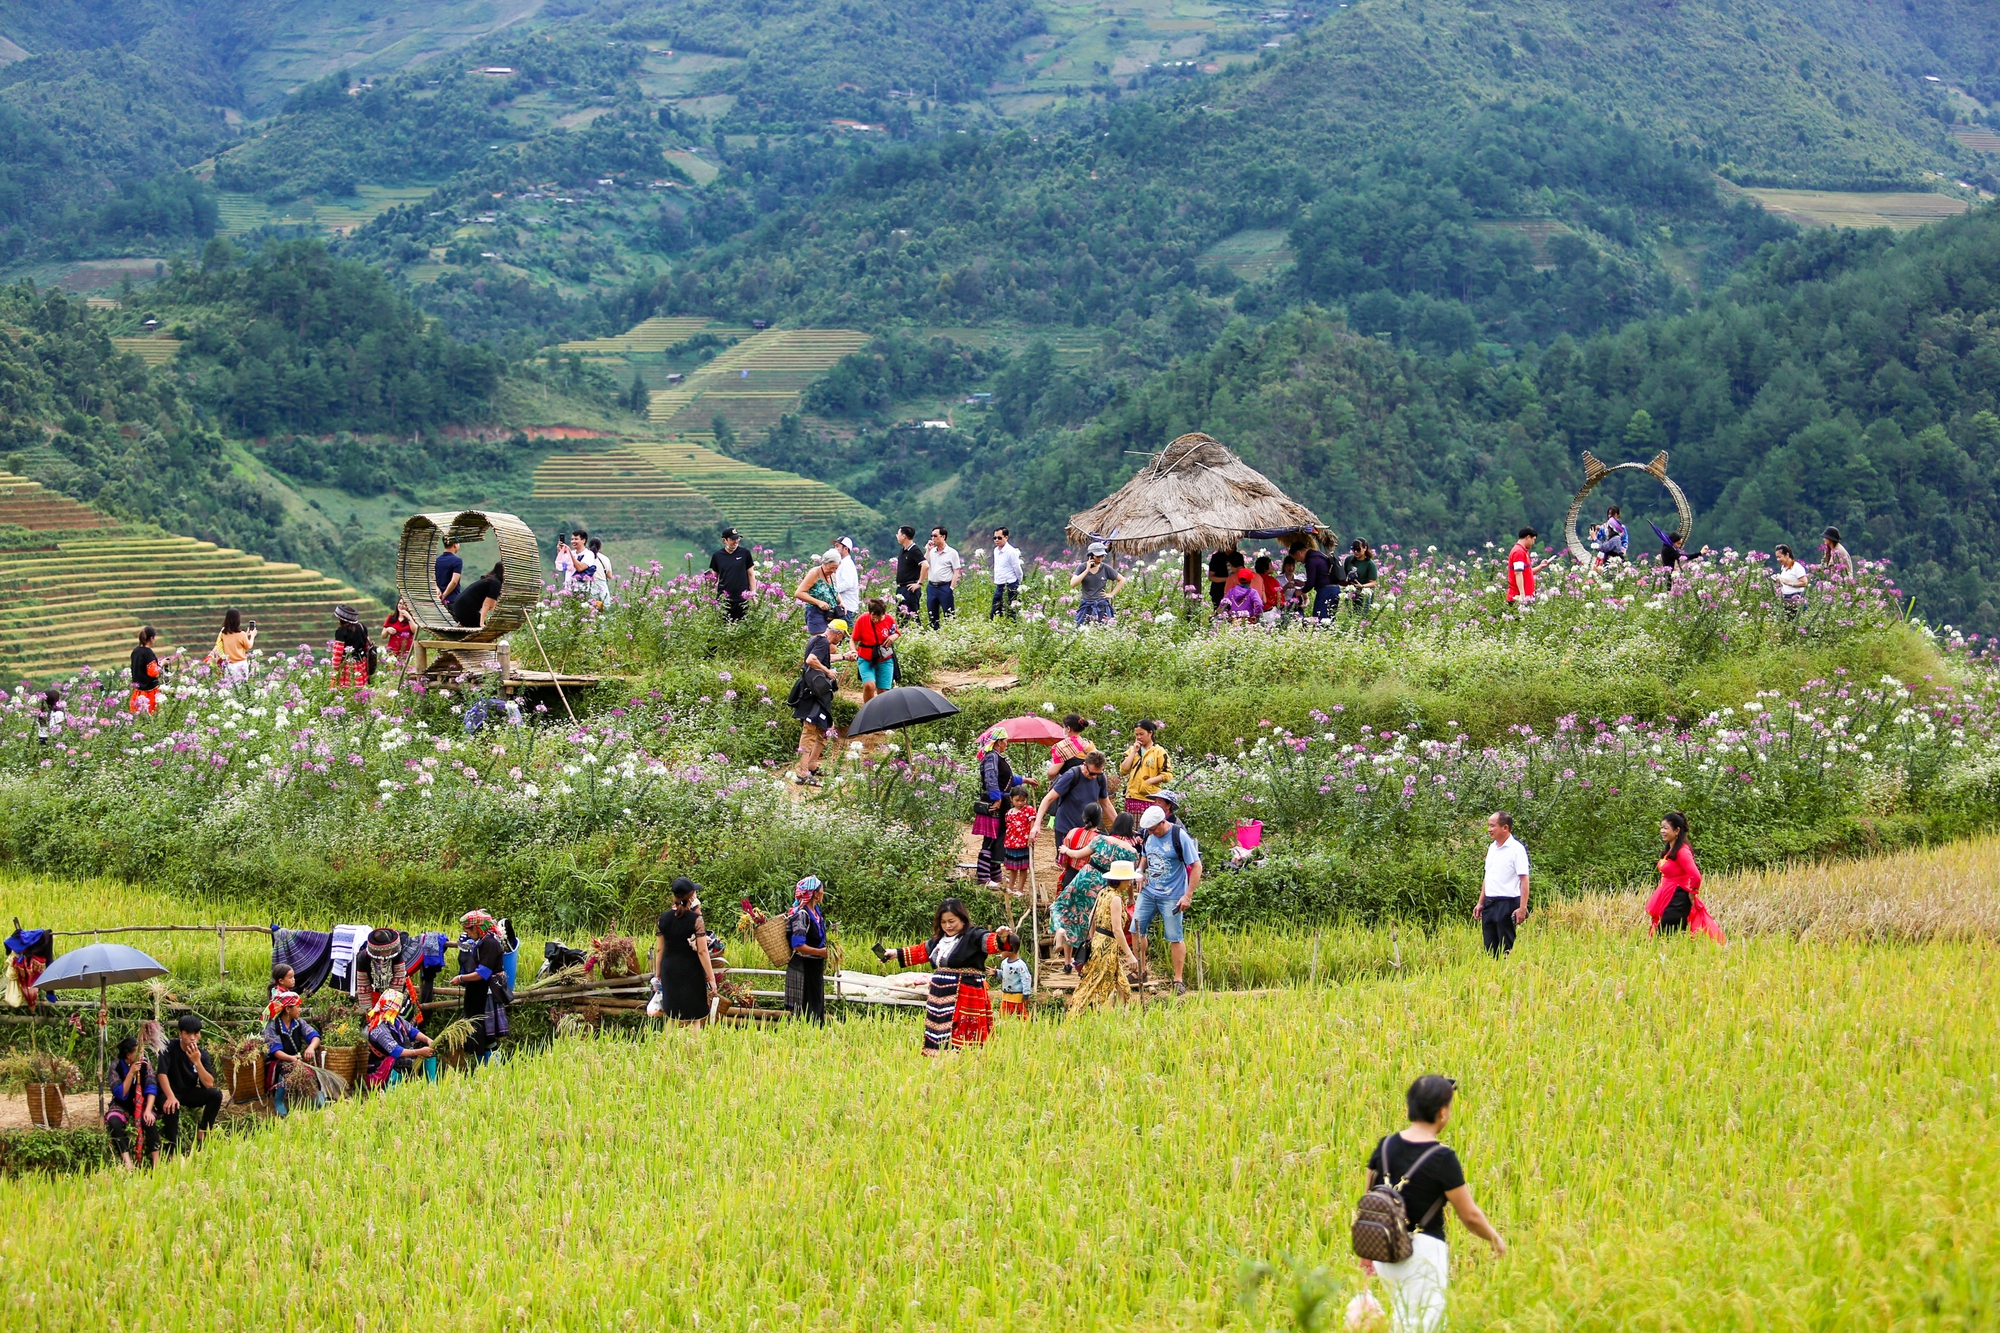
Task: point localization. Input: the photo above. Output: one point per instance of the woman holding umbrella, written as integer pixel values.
(989, 808)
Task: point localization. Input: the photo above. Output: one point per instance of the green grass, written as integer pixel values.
(1772, 1136)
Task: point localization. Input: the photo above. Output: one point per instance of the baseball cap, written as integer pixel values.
(840, 625)
(1098, 548)
(1153, 818)
(1170, 797)
(729, 532)
(847, 542)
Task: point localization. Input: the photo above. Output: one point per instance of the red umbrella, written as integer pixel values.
(1032, 729)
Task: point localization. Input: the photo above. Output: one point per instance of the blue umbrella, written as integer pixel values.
(99, 965)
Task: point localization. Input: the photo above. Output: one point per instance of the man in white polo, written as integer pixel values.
(1503, 895)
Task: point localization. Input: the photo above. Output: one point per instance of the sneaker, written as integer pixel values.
(1180, 988)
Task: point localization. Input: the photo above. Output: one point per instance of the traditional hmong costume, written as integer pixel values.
(28, 952)
(805, 978)
(989, 808)
(389, 1036)
(284, 1035)
(483, 956)
(957, 1012)
(383, 966)
(134, 1109)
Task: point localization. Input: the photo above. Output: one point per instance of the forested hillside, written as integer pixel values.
(1845, 379)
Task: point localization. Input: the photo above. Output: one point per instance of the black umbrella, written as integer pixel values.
(99, 965)
(904, 706)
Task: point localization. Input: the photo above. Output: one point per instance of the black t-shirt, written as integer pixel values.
(731, 569)
(142, 658)
(1218, 565)
(471, 599)
(179, 1071)
(447, 565)
(909, 563)
(1431, 1182)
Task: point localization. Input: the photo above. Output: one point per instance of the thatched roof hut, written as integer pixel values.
(1194, 496)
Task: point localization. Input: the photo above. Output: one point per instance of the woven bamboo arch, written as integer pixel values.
(424, 538)
(1595, 472)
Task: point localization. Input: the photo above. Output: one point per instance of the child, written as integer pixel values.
(1019, 845)
(49, 721)
(282, 979)
(1015, 980)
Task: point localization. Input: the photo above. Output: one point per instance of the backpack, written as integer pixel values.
(1382, 1230)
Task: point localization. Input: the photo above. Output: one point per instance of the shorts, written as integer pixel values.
(1017, 857)
(881, 674)
(1161, 905)
(236, 672)
(816, 620)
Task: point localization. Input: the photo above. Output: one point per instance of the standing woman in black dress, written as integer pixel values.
(680, 957)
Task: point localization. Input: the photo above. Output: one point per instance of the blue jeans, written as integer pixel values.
(1325, 601)
(1161, 905)
(941, 598)
(1098, 608)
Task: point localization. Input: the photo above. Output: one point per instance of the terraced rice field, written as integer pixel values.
(153, 351)
(246, 212)
(776, 509)
(1837, 208)
(618, 495)
(1537, 232)
(757, 381)
(1978, 138)
(80, 602)
(31, 505)
(1251, 255)
(651, 335)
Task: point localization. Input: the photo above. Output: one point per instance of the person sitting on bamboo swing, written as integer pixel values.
(395, 1045)
(289, 1041)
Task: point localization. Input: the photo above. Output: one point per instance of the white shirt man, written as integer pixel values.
(1503, 894)
(941, 570)
(1006, 575)
(847, 580)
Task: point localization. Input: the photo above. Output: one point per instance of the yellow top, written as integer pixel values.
(1147, 774)
(233, 647)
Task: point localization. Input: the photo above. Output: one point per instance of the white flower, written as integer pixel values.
(1048, 708)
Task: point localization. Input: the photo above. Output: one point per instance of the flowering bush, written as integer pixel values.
(333, 799)
(1781, 775)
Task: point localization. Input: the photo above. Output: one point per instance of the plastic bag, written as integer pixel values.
(1364, 1311)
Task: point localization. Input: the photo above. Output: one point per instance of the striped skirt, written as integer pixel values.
(957, 1012)
(987, 829)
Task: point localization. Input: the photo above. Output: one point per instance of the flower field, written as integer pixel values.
(1369, 749)
(1779, 1135)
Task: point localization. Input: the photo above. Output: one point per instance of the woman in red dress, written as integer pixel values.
(1676, 905)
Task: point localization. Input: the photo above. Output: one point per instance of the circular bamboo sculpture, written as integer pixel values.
(1594, 472)
(424, 538)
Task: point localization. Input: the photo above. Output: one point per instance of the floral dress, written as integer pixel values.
(1073, 907)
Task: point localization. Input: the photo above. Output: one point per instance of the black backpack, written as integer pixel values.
(1382, 1230)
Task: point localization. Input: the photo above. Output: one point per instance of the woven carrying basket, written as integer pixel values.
(45, 1105)
(344, 1061)
(774, 940)
(246, 1078)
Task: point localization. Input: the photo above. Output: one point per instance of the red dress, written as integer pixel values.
(1680, 872)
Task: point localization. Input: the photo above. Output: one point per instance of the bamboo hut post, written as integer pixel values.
(221, 951)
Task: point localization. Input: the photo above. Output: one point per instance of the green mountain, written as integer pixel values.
(1846, 379)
